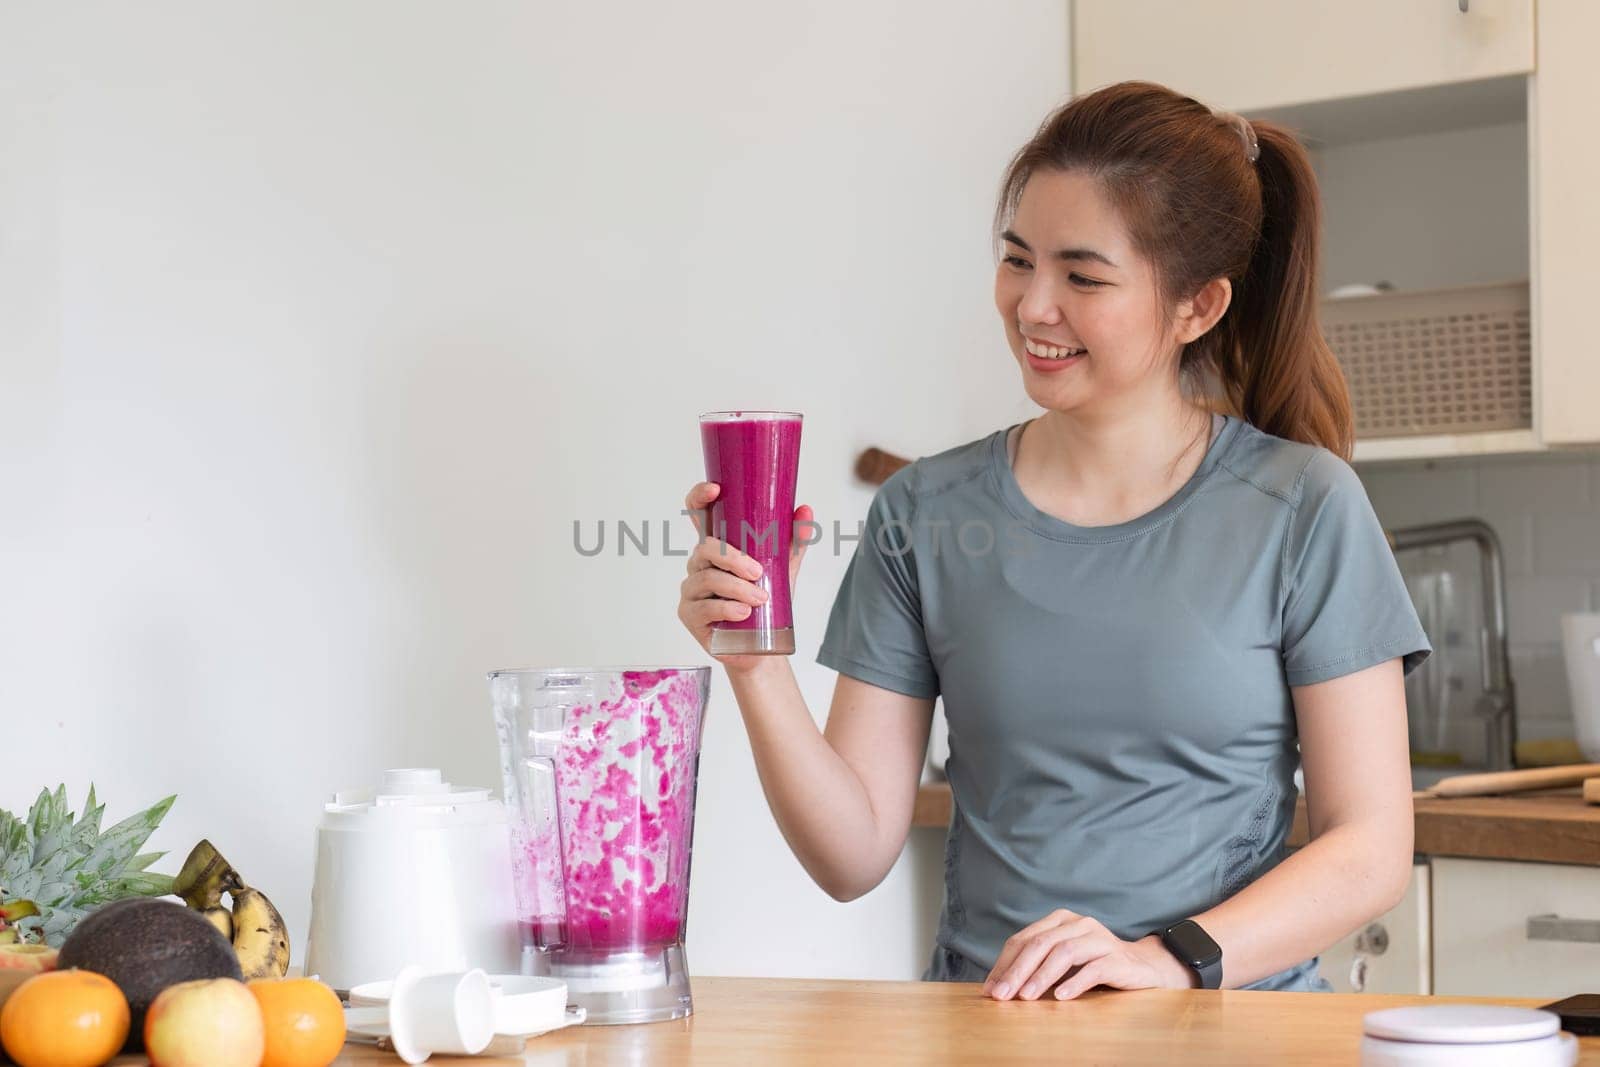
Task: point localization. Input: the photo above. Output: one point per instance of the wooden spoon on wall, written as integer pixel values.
(875, 466)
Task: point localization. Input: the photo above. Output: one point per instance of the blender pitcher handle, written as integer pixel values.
(549, 858)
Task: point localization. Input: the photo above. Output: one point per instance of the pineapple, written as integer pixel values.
(55, 870)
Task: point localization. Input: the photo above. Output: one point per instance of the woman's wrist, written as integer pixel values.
(753, 668)
(1173, 973)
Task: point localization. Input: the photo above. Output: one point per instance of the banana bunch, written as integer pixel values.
(253, 925)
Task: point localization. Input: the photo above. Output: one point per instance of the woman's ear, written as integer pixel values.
(1200, 312)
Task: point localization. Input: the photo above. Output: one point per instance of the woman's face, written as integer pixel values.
(1069, 279)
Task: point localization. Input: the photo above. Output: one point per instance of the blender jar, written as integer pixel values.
(600, 767)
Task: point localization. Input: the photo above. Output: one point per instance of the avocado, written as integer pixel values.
(144, 945)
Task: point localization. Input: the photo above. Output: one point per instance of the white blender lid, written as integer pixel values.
(1461, 1024)
(409, 795)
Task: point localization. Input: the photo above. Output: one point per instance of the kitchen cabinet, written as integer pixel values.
(1391, 954)
(1565, 171)
(1258, 54)
(1482, 928)
(1453, 149)
(1515, 929)
(1491, 864)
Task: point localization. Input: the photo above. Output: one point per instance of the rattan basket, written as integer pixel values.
(1442, 361)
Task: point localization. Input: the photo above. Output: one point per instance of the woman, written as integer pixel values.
(1167, 598)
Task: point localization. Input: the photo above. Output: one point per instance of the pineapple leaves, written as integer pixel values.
(145, 884)
(117, 846)
(50, 822)
(14, 856)
(88, 827)
(68, 868)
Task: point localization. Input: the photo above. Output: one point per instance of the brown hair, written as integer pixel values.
(1198, 209)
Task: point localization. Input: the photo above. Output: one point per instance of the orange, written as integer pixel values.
(64, 1019)
(304, 1022)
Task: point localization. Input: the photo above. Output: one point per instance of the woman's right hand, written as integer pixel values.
(721, 585)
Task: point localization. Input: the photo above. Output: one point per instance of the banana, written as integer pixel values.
(258, 934)
(204, 878)
(221, 918)
(260, 937)
(17, 909)
(9, 914)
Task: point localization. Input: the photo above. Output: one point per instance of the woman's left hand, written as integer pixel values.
(1037, 956)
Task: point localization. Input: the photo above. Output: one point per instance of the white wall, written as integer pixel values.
(322, 323)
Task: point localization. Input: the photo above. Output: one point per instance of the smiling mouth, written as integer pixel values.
(1044, 351)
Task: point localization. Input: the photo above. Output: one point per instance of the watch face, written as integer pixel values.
(1187, 941)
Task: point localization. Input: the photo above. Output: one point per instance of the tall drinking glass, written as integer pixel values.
(755, 457)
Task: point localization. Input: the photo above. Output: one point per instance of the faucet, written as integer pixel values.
(1497, 706)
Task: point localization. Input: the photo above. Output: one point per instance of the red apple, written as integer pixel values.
(211, 1022)
(15, 956)
(19, 962)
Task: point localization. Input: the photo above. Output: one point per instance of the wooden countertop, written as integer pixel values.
(740, 1021)
(1553, 826)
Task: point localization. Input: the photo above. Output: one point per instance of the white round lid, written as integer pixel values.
(411, 795)
(1557, 1050)
(1461, 1024)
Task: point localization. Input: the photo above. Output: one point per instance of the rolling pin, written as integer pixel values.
(1479, 785)
(1591, 790)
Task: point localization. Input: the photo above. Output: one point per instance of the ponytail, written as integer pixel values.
(1273, 362)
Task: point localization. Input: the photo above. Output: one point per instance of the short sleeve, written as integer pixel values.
(875, 629)
(1346, 606)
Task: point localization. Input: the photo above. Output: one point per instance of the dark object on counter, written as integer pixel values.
(144, 945)
(1579, 1014)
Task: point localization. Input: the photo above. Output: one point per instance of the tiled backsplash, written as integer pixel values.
(1546, 510)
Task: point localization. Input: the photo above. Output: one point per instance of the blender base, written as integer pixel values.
(619, 988)
(752, 642)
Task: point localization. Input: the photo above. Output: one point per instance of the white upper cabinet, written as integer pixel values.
(1563, 114)
(1248, 55)
(1458, 165)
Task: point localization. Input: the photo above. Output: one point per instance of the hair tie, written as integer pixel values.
(1247, 134)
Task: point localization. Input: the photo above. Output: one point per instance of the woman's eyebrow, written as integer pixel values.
(1069, 254)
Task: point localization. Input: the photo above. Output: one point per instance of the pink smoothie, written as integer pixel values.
(615, 875)
(756, 461)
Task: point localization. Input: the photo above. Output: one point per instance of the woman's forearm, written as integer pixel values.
(1346, 876)
(818, 801)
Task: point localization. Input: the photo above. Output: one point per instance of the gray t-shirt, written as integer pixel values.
(1122, 735)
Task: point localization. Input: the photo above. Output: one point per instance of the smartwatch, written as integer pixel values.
(1196, 951)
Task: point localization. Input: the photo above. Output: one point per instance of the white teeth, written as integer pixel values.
(1050, 351)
